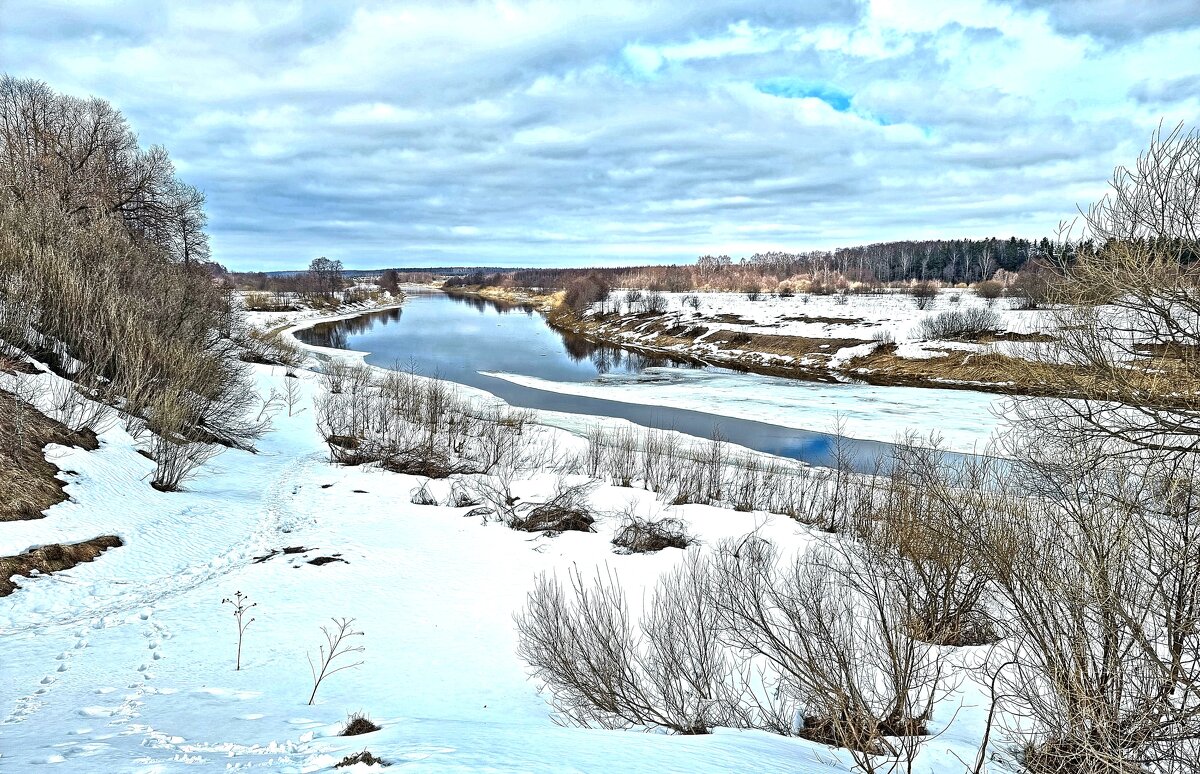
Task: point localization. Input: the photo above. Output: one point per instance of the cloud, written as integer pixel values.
(1117, 21)
(530, 132)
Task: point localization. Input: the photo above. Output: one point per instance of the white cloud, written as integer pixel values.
(536, 131)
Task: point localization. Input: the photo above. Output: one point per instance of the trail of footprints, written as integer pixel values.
(120, 716)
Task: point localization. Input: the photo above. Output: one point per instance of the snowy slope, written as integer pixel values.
(126, 663)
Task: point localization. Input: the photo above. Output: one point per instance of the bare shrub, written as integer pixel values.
(622, 457)
(1100, 574)
(270, 348)
(267, 302)
(960, 324)
(831, 632)
(647, 536)
(989, 291)
(417, 426)
(177, 460)
(597, 444)
(422, 496)
(358, 724)
(71, 403)
(924, 293)
(585, 291)
(655, 302)
(566, 510)
(913, 529)
(365, 757)
(337, 645)
(583, 646)
(104, 258)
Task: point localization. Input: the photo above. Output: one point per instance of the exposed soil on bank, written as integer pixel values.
(798, 357)
(51, 558)
(28, 481)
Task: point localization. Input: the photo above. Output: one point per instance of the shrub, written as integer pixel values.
(270, 348)
(365, 757)
(582, 645)
(113, 294)
(960, 324)
(358, 724)
(655, 302)
(924, 293)
(585, 291)
(646, 536)
(1032, 286)
(989, 291)
(567, 510)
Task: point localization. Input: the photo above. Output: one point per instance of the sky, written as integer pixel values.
(537, 132)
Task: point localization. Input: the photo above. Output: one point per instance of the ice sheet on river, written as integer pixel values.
(965, 419)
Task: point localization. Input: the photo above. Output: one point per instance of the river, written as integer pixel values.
(468, 340)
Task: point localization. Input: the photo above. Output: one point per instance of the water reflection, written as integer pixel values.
(464, 338)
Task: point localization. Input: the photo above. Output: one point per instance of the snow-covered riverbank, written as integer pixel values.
(126, 663)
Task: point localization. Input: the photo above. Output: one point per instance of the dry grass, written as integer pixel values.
(363, 757)
(992, 370)
(804, 318)
(776, 344)
(358, 724)
(28, 485)
(51, 558)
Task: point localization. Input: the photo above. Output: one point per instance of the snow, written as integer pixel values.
(869, 317)
(126, 663)
(965, 419)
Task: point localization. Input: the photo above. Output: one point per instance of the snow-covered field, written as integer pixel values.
(126, 663)
(891, 316)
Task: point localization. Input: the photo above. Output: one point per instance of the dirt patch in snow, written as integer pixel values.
(778, 344)
(28, 483)
(803, 318)
(953, 368)
(51, 558)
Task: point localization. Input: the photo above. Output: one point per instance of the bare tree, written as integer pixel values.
(326, 275)
(1128, 358)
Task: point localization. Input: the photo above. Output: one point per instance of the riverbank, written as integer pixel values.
(870, 338)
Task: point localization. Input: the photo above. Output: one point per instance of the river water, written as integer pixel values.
(464, 339)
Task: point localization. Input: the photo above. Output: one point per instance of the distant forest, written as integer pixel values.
(949, 261)
(942, 261)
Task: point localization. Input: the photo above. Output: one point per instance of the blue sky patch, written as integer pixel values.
(792, 88)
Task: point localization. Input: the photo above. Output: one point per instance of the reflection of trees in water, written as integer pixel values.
(336, 334)
(480, 304)
(332, 335)
(607, 358)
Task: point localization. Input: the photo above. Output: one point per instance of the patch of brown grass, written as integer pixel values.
(777, 344)
(27, 480)
(1002, 373)
(803, 318)
(52, 558)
